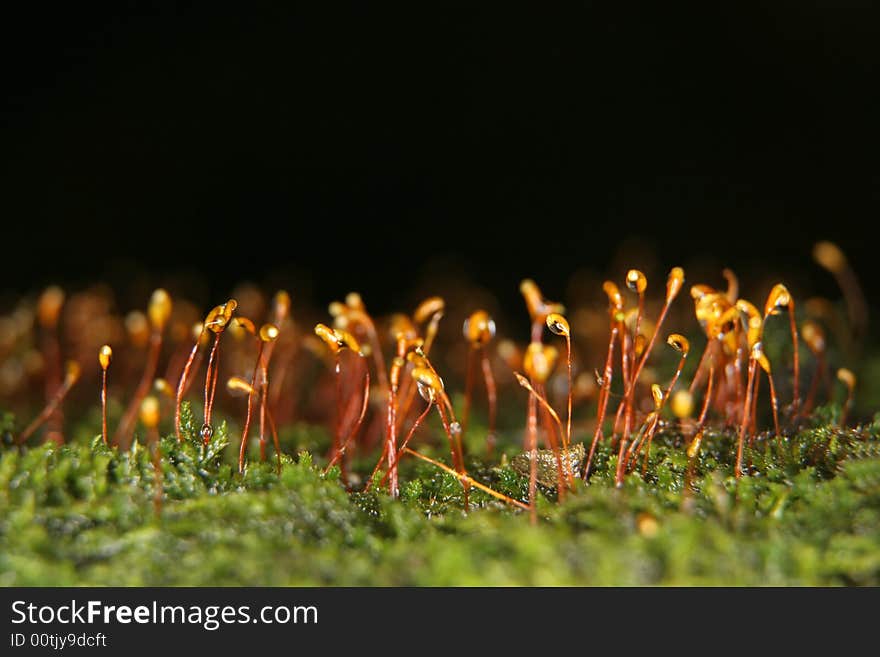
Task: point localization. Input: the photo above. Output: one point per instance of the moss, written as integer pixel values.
(83, 514)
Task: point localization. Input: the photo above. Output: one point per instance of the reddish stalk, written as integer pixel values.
(71, 377)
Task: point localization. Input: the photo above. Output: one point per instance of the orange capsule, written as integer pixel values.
(215, 320)
(105, 355)
(674, 283)
(479, 328)
(679, 343)
(268, 332)
(779, 297)
(636, 281)
(558, 325)
(430, 385)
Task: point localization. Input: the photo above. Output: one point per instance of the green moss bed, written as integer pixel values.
(82, 514)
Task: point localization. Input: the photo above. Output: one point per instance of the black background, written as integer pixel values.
(354, 146)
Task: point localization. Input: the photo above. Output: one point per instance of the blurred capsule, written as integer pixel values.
(428, 308)
(829, 256)
(682, 404)
(49, 306)
(479, 328)
(138, 328)
(149, 412)
(539, 361)
(159, 309)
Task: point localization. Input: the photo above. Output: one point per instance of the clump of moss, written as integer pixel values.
(809, 514)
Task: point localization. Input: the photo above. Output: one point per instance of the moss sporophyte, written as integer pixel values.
(654, 455)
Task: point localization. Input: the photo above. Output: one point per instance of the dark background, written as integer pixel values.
(349, 149)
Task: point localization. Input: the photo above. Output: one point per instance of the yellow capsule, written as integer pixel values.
(657, 394)
(150, 412)
(694, 446)
(105, 355)
(813, 336)
(847, 377)
(198, 330)
(49, 306)
(427, 308)
(138, 328)
(636, 281)
(71, 372)
(159, 309)
(479, 328)
(779, 297)
(268, 332)
(674, 283)
(829, 256)
(238, 384)
(682, 404)
(430, 385)
(558, 325)
(678, 342)
(615, 300)
(539, 361)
